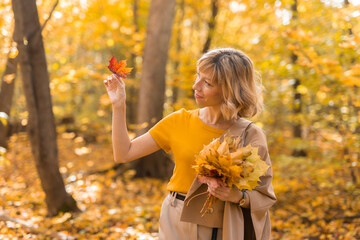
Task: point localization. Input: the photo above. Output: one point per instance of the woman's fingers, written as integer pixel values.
(226, 193)
(210, 181)
(118, 79)
(115, 89)
(215, 186)
(202, 179)
(112, 81)
(222, 193)
(218, 189)
(108, 81)
(216, 194)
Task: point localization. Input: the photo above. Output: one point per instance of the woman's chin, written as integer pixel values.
(199, 102)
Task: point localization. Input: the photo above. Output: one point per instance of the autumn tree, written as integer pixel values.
(41, 127)
(178, 38)
(297, 102)
(152, 83)
(131, 100)
(211, 25)
(7, 88)
(6, 94)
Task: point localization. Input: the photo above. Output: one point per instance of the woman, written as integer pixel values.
(228, 90)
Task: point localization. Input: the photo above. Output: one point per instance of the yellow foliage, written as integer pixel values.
(234, 165)
(120, 207)
(8, 78)
(3, 118)
(3, 158)
(13, 52)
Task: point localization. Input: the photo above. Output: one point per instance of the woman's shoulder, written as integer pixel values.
(187, 111)
(243, 124)
(256, 135)
(183, 113)
(256, 129)
(178, 117)
(253, 131)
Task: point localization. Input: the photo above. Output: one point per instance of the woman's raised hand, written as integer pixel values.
(115, 88)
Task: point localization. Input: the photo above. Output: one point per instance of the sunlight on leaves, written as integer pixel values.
(4, 118)
(82, 151)
(9, 78)
(13, 52)
(62, 218)
(3, 158)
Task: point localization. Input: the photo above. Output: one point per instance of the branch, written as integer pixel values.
(211, 25)
(52, 10)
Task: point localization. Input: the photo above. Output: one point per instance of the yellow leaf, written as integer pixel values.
(225, 161)
(13, 52)
(3, 118)
(8, 78)
(241, 167)
(247, 151)
(62, 219)
(2, 155)
(238, 154)
(223, 148)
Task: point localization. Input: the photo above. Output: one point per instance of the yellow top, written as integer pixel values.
(183, 133)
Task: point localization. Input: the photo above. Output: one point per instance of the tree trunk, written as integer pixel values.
(211, 25)
(7, 89)
(176, 78)
(131, 100)
(353, 169)
(6, 94)
(152, 83)
(41, 125)
(297, 128)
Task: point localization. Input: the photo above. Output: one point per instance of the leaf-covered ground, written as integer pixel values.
(316, 200)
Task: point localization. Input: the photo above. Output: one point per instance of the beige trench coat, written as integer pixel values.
(227, 215)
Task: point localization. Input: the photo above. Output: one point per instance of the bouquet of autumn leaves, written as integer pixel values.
(234, 165)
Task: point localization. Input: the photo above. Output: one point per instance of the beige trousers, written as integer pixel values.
(171, 228)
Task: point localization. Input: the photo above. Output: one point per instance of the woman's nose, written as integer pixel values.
(196, 85)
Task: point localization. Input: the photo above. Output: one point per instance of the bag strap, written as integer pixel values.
(238, 128)
(244, 134)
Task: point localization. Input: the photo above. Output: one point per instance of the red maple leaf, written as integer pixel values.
(119, 68)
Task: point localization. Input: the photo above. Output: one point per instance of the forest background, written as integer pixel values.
(306, 51)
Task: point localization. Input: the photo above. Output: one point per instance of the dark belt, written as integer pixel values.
(178, 196)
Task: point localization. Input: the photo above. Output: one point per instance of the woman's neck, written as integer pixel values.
(212, 116)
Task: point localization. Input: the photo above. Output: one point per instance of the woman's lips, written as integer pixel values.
(197, 95)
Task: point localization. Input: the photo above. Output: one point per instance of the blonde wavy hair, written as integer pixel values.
(241, 84)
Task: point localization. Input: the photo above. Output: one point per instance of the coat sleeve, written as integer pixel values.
(263, 196)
